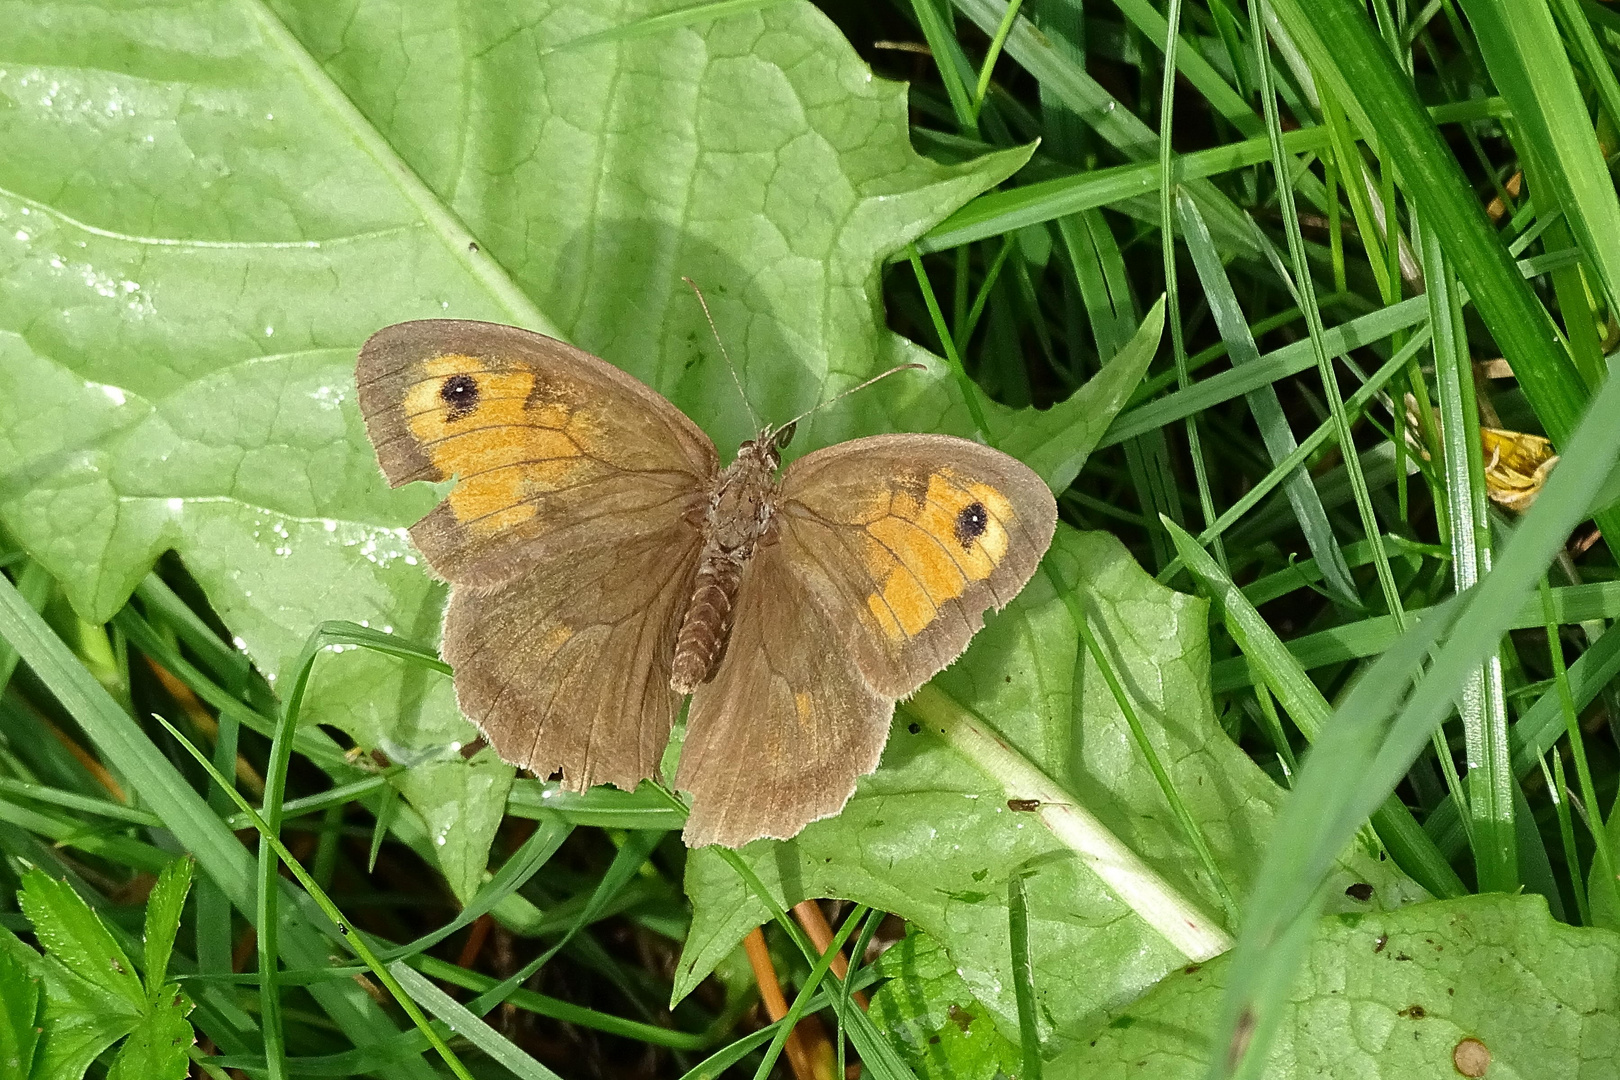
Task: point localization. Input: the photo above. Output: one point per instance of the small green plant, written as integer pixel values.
(62, 1010)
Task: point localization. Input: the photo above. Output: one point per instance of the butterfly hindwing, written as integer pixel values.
(779, 736)
(567, 666)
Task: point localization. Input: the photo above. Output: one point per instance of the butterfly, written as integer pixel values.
(603, 566)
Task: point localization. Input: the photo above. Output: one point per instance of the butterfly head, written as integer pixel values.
(765, 449)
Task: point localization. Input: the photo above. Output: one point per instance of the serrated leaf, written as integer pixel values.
(21, 998)
(184, 317)
(163, 909)
(156, 1049)
(931, 837)
(927, 1010)
(1393, 994)
(74, 935)
(79, 1019)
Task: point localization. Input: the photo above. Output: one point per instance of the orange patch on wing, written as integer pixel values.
(503, 448)
(802, 707)
(919, 557)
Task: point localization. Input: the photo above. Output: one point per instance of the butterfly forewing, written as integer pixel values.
(906, 540)
(570, 537)
(554, 451)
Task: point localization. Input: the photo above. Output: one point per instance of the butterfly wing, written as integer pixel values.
(570, 538)
(778, 737)
(567, 666)
(888, 551)
(906, 540)
(552, 449)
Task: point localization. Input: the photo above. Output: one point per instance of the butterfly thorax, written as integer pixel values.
(736, 522)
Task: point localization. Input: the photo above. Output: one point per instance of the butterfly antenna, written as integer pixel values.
(851, 390)
(729, 365)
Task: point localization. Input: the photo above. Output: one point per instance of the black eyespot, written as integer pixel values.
(785, 436)
(460, 392)
(971, 523)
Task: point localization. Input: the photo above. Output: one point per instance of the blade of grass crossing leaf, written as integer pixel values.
(942, 44)
(1167, 242)
(1264, 404)
(856, 954)
(970, 393)
(355, 940)
(811, 983)
(1482, 704)
(1602, 858)
(1189, 825)
(992, 55)
(387, 806)
(34, 586)
(1313, 316)
(1557, 793)
(325, 635)
(470, 1027)
(1264, 652)
(527, 861)
(1029, 1037)
(1375, 736)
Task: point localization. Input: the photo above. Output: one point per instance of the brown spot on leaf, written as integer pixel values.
(1471, 1057)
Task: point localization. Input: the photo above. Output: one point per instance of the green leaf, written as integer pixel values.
(78, 1021)
(163, 908)
(21, 998)
(183, 318)
(928, 1011)
(462, 804)
(156, 1049)
(931, 836)
(1393, 994)
(73, 934)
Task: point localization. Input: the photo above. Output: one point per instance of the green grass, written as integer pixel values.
(1223, 274)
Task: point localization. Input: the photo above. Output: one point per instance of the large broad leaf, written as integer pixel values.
(932, 837)
(207, 208)
(1481, 986)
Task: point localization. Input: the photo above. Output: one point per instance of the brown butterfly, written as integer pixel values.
(603, 566)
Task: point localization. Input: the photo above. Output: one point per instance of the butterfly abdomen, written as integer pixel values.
(739, 516)
(708, 622)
